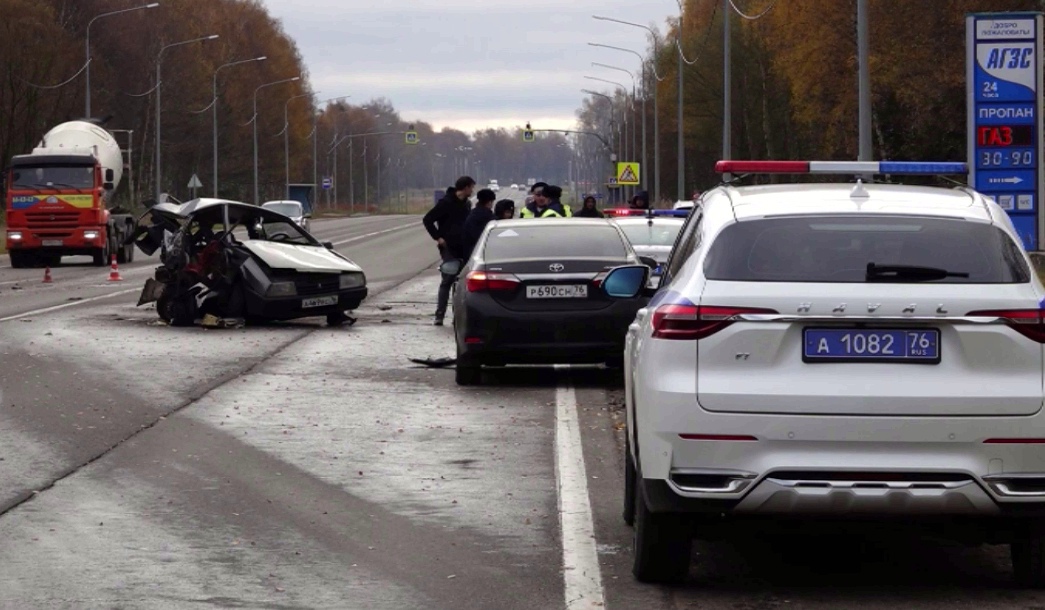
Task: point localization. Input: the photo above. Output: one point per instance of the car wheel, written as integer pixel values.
(629, 484)
(662, 545)
(1028, 558)
(468, 373)
(101, 255)
(182, 311)
(20, 260)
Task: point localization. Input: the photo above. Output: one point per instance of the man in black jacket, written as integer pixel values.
(445, 223)
(477, 220)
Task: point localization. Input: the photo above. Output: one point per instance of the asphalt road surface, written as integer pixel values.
(298, 466)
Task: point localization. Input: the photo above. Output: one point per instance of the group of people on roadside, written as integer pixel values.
(456, 226)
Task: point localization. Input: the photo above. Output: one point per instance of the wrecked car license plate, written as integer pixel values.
(318, 302)
(52, 243)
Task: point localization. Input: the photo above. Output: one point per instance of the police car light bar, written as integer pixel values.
(910, 168)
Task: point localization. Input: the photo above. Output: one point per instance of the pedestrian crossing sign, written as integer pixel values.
(628, 174)
(529, 136)
(411, 137)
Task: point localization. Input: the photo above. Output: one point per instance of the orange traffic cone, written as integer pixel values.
(47, 275)
(114, 271)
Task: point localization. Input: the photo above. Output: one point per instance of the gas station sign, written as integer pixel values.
(1004, 96)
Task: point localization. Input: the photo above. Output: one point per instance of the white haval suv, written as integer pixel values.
(842, 350)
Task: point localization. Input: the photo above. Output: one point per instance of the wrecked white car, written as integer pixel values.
(235, 261)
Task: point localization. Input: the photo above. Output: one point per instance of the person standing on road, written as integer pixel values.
(553, 194)
(640, 201)
(530, 210)
(504, 210)
(540, 208)
(589, 210)
(477, 220)
(445, 223)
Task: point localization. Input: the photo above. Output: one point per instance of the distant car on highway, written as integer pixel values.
(530, 295)
(837, 351)
(291, 209)
(653, 237)
(233, 260)
(493, 186)
(515, 187)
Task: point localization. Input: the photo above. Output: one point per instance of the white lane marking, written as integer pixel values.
(359, 237)
(37, 312)
(580, 557)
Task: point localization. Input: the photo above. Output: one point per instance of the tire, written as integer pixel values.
(662, 545)
(20, 260)
(629, 485)
(1028, 558)
(468, 374)
(101, 256)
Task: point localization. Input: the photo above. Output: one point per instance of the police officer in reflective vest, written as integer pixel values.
(546, 204)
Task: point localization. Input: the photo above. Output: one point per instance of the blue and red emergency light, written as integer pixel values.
(910, 168)
(635, 213)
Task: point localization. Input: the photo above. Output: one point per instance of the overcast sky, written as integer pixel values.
(468, 64)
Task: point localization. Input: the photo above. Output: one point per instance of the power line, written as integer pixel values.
(752, 17)
(703, 43)
(62, 84)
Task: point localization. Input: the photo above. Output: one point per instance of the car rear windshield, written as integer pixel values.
(841, 249)
(512, 243)
(659, 234)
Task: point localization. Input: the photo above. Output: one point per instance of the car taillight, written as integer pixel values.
(482, 281)
(599, 279)
(689, 323)
(1028, 322)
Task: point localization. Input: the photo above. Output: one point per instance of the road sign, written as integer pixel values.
(412, 138)
(328, 184)
(529, 136)
(628, 173)
(194, 182)
(1004, 97)
(612, 182)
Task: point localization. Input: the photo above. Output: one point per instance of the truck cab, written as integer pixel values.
(57, 199)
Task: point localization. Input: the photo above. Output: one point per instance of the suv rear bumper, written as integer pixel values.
(770, 499)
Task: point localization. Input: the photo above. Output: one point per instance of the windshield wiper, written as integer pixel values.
(908, 273)
(54, 184)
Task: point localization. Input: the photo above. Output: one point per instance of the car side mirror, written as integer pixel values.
(649, 262)
(108, 186)
(110, 176)
(626, 282)
(329, 245)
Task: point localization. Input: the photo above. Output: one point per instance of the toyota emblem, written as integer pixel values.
(557, 267)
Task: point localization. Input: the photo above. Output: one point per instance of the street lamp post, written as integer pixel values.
(656, 115)
(214, 103)
(286, 138)
(613, 126)
(315, 141)
(622, 138)
(254, 119)
(634, 128)
(159, 105)
(87, 46)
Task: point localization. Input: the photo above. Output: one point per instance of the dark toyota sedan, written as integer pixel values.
(530, 295)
